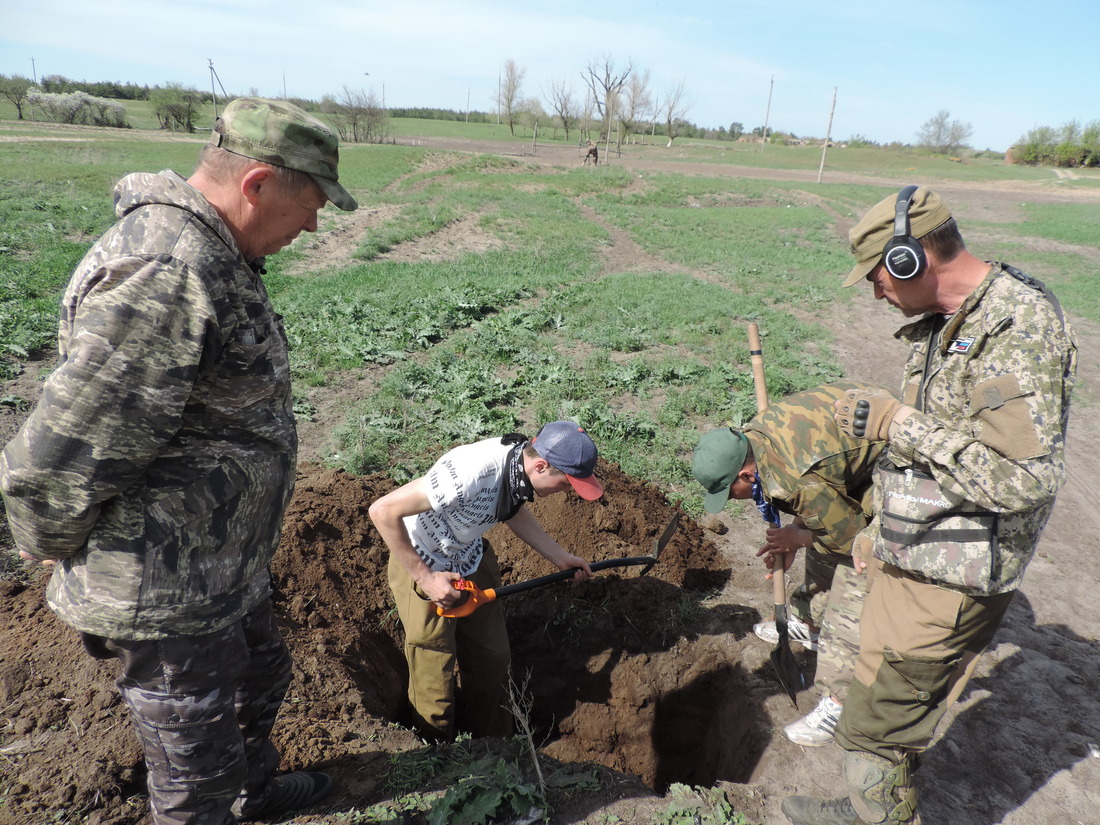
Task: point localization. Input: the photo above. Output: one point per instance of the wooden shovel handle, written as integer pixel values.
(756, 358)
(779, 580)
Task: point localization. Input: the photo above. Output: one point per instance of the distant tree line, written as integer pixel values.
(619, 105)
(1069, 146)
(59, 84)
(623, 91)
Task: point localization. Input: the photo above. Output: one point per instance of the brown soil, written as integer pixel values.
(656, 678)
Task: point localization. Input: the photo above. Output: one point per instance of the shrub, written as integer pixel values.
(79, 108)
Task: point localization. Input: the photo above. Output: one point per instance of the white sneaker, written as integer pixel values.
(797, 630)
(815, 728)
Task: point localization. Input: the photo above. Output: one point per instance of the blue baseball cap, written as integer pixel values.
(568, 448)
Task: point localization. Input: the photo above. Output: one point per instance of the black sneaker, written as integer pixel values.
(288, 792)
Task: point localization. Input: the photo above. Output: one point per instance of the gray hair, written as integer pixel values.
(222, 165)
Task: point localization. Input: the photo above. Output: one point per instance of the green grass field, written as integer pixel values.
(532, 329)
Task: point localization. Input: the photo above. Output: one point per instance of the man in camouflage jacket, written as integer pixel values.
(155, 470)
(802, 464)
(984, 414)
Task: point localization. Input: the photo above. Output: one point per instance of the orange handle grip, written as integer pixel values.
(475, 598)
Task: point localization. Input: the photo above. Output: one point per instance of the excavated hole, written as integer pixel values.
(636, 673)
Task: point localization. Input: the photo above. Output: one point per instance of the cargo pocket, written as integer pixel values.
(910, 692)
(189, 739)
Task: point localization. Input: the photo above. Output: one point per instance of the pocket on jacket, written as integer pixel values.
(1004, 418)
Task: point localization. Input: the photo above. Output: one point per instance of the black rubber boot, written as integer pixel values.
(288, 792)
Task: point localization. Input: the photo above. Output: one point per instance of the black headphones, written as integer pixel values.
(904, 256)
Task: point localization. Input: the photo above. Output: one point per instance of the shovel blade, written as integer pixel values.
(783, 661)
(659, 544)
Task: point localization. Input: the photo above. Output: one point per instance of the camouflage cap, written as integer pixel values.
(280, 133)
(869, 237)
(718, 459)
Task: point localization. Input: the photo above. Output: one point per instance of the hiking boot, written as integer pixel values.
(879, 790)
(809, 810)
(816, 727)
(797, 630)
(288, 792)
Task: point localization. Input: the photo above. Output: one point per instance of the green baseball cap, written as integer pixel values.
(718, 459)
(280, 133)
(869, 237)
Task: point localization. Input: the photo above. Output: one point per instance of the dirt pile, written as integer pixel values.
(623, 670)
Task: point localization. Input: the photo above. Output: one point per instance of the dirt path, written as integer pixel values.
(637, 675)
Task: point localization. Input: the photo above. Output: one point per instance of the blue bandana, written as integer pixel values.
(766, 508)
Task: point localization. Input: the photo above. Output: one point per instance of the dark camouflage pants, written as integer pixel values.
(203, 707)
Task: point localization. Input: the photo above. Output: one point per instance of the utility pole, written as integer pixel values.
(213, 91)
(828, 132)
(34, 76)
(767, 114)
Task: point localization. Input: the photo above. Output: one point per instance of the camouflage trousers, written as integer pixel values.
(203, 708)
(458, 668)
(832, 600)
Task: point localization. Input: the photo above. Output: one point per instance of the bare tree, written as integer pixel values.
(358, 116)
(563, 104)
(674, 110)
(941, 134)
(508, 99)
(606, 82)
(532, 113)
(635, 103)
(588, 116)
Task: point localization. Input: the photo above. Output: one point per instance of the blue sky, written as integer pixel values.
(1003, 67)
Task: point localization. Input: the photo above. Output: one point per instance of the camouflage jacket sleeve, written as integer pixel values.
(812, 470)
(128, 359)
(996, 402)
(833, 517)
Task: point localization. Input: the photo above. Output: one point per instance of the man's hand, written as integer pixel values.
(573, 562)
(23, 554)
(863, 548)
(863, 414)
(437, 587)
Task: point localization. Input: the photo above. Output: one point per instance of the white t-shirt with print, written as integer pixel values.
(462, 487)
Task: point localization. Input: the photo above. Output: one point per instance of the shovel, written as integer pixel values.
(783, 661)
(475, 596)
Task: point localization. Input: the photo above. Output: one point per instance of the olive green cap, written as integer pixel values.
(718, 459)
(280, 133)
(869, 237)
